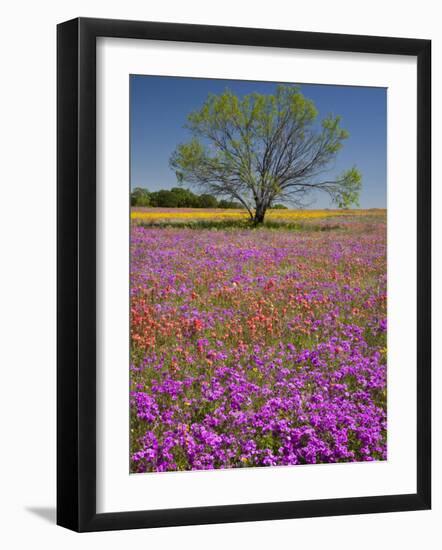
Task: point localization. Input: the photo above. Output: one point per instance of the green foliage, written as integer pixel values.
(140, 197)
(164, 198)
(347, 193)
(207, 201)
(177, 197)
(185, 198)
(223, 203)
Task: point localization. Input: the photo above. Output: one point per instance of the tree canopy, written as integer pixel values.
(264, 148)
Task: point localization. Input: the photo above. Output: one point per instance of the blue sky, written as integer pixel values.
(159, 107)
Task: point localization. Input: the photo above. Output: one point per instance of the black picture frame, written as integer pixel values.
(76, 274)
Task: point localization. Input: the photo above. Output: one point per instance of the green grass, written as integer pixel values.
(242, 224)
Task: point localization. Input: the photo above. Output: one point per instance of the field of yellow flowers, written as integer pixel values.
(158, 215)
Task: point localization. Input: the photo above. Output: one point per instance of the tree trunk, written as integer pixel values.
(259, 214)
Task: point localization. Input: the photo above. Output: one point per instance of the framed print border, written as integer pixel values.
(77, 286)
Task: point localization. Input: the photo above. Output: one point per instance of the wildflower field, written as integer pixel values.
(181, 215)
(258, 347)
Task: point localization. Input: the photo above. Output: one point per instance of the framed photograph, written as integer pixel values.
(243, 274)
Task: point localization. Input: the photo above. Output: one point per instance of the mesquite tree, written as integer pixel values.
(262, 148)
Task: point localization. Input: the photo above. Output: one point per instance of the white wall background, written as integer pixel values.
(27, 272)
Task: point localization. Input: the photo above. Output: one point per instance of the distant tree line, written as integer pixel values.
(178, 197)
